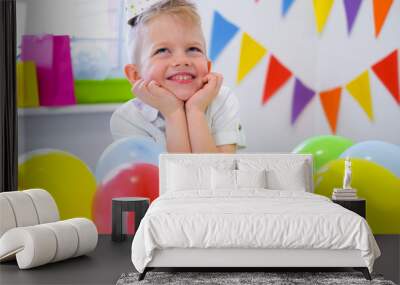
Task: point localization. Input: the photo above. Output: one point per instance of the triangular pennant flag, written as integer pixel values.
(351, 7)
(251, 53)
(286, 4)
(330, 102)
(302, 96)
(381, 9)
(222, 32)
(276, 76)
(360, 90)
(322, 8)
(387, 71)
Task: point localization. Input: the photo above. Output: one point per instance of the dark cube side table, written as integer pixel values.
(357, 205)
(139, 205)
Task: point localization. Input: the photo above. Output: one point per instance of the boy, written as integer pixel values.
(180, 103)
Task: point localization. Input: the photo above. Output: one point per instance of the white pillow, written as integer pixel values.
(235, 179)
(251, 178)
(281, 174)
(289, 179)
(182, 177)
(223, 179)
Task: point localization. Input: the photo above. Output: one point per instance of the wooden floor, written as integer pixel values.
(102, 266)
(110, 259)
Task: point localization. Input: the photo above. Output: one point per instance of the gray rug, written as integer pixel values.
(269, 278)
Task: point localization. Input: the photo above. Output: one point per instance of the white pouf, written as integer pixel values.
(31, 233)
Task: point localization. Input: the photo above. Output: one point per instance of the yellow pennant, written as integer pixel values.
(322, 8)
(251, 53)
(360, 90)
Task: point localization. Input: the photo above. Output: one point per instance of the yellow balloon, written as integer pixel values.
(378, 185)
(67, 178)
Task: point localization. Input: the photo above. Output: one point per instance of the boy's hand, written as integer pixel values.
(203, 97)
(153, 94)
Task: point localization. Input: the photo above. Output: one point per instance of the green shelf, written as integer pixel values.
(102, 91)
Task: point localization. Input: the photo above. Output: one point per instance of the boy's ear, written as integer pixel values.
(209, 63)
(132, 72)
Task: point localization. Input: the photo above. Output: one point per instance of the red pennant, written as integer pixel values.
(330, 102)
(277, 75)
(387, 71)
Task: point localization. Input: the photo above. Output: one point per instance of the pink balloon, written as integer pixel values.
(138, 180)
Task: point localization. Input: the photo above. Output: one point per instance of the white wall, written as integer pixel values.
(82, 18)
(321, 61)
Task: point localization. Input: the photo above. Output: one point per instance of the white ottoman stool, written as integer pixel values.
(31, 232)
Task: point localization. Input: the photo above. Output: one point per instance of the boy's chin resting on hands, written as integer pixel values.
(205, 95)
(155, 95)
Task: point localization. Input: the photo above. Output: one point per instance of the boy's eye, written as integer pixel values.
(160, 50)
(195, 49)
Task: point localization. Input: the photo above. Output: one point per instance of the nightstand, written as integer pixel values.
(357, 205)
(138, 205)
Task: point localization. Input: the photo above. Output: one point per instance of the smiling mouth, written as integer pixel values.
(182, 78)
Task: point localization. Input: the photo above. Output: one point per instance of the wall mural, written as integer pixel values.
(129, 167)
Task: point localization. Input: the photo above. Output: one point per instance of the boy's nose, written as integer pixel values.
(181, 60)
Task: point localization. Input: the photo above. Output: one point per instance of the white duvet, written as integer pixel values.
(250, 219)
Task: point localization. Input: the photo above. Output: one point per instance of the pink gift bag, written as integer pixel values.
(52, 55)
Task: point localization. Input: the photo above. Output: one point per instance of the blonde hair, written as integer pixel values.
(184, 9)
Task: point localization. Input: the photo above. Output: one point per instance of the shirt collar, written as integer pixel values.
(148, 112)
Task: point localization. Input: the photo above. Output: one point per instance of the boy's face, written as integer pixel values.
(173, 54)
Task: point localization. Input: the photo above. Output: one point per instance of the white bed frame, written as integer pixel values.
(246, 258)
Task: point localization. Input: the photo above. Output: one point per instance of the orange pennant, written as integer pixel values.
(387, 71)
(330, 102)
(276, 76)
(381, 9)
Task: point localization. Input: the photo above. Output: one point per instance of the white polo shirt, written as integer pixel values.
(136, 119)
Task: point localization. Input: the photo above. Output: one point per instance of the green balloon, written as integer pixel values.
(377, 185)
(323, 148)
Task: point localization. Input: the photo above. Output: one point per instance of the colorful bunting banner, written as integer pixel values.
(360, 90)
(381, 10)
(286, 4)
(277, 76)
(330, 101)
(351, 7)
(387, 72)
(301, 97)
(222, 32)
(322, 8)
(251, 52)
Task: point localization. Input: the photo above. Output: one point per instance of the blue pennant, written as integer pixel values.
(222, 32)
(286, 4)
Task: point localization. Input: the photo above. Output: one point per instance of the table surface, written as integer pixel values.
(349, 200)
(130, 199)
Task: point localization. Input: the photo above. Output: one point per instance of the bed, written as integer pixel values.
(245, 211)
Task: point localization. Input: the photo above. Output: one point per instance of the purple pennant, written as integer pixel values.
(352, 7)
(302, 96)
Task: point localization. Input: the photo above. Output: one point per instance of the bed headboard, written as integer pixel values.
(213, 158)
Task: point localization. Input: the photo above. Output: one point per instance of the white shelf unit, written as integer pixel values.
(73, 109)
(82, 130)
